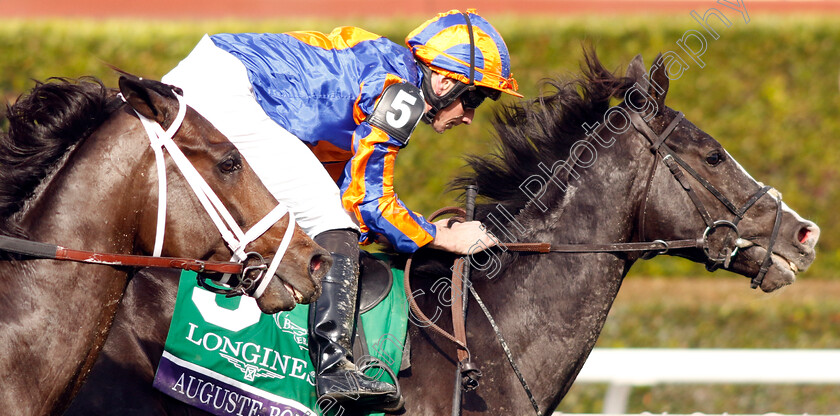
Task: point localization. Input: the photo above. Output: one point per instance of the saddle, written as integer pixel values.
(375, 281)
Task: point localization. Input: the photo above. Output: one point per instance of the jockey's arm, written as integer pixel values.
(367, 185)
(371, 197)
(368, 192)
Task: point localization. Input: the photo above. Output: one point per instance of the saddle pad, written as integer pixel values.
(226, 357)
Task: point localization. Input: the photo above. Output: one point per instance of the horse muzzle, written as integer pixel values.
(288, 287)
(792, 254)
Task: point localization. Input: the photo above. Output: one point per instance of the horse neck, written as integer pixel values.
(67, 307)
(553, 306)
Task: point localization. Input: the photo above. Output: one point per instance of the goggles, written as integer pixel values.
(472, 98)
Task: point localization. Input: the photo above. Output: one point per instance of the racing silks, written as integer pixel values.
(322, 88)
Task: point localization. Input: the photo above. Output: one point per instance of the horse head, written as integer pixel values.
(238, 188)
(696, 189)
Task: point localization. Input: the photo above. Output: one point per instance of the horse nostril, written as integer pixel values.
(804, 232)
(808, 232)
(319, 265)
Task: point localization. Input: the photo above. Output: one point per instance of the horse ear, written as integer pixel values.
(636, 71)
(145, 100)
(658, 81)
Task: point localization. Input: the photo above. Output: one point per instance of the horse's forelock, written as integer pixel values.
(42, 126)
(542, 130)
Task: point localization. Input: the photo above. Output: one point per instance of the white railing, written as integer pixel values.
(625, 368)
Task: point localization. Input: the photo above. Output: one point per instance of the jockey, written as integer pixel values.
(320, 118)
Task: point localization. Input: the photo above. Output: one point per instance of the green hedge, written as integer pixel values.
(768, 92)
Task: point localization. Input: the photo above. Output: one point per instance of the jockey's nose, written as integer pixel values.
(468, 116)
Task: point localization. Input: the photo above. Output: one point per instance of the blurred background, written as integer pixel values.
(768, 92)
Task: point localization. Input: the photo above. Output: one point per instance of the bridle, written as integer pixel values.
(229, 229)
(242, 263)
(676, 166)
(467, 374)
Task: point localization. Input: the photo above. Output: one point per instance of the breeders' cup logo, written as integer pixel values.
(251, 371)
(299, 333)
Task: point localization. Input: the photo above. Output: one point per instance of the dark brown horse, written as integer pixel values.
(551, 307)
(78, 170)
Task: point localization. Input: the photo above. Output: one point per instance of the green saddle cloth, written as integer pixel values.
(226, 357)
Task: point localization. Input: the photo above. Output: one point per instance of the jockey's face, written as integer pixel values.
(455, 113)
(452, 116)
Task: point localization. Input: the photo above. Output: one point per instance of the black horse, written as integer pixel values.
(644, 174)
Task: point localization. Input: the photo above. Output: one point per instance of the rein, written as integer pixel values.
(36, 250)
(230, 231)
(468, 373)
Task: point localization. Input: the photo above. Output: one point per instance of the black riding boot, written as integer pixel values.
(332, 321)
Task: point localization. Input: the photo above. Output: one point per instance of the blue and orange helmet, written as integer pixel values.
(466, 47)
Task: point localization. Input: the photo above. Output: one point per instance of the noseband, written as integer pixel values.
(676, 166)
(234, 237)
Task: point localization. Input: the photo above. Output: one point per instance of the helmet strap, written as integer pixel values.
(440, 102)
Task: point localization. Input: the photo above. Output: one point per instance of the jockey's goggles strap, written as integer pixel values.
(230, 231)
(440, 102)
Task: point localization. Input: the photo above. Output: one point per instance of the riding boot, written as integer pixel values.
(332, 321)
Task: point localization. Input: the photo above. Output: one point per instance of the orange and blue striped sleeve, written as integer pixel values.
(368, 181)
(368, 192)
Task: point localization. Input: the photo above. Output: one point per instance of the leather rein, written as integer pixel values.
(467, 373)
(243, 264)
(36, 250)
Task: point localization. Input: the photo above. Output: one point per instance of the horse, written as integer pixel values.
(558, 177)
(78, 169)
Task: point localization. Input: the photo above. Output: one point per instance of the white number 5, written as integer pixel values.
(401, 103)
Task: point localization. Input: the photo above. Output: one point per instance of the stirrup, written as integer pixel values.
(392, 402)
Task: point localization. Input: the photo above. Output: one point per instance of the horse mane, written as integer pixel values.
(42, 127)
(541, 130)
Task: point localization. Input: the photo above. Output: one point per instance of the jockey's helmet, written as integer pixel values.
(466, 47)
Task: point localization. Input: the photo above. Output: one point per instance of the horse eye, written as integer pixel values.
(230, 164)
(714, 158)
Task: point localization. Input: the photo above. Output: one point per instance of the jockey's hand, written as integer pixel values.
(463, 238)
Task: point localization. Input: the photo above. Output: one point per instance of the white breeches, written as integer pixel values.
(216, 84)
